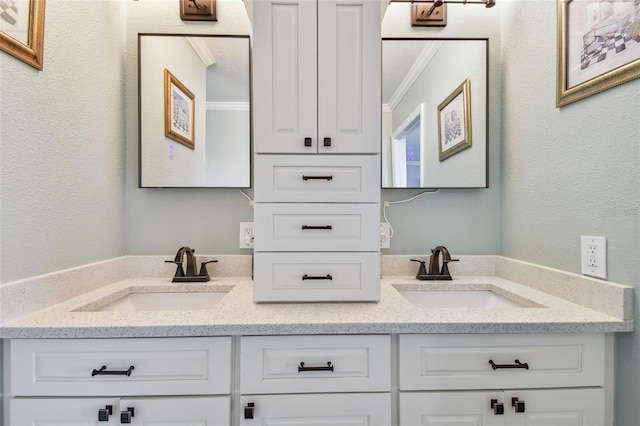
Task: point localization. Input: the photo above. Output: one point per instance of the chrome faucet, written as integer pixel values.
(435, 272)
(190, 274)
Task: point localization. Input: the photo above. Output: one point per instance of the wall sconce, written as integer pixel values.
(434, 13)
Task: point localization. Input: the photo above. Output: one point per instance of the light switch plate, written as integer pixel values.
(198, 10)
(593, 257)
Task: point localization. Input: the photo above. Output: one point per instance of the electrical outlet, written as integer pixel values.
(246, 235)
(385, 235)
(594, 256)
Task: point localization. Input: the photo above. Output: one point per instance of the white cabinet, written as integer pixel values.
(317, 91)
(79, 381)
(304, 380)
(317, 79)
(533, 380)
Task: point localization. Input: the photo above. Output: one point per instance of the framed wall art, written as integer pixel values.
(22, 30)
(598, 46)
(179, 111)
(454, 121)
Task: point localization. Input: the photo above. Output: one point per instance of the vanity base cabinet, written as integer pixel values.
(176, 411)
(540, 407)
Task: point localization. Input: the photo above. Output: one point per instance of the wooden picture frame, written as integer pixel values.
(454, 121)
(22, 30)
(179, 111)
(598, 47)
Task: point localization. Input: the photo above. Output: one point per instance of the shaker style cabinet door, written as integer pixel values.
(451, 408)
(317, 76)
(555, 407)
(63, 411)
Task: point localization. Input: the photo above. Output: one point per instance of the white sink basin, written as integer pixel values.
(458, 299)
(164, 301)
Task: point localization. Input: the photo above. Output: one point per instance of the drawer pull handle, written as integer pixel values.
(104, 372)
(321, 277)
(327, 227)
(305, 177)
(518, 405)
(248, 410)
(104, 413)
(517, 364)
(307, 142)
(125, 416)
(301, 368)
(497, 407)
(327, 141)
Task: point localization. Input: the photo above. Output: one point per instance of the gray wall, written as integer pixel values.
(569, 172)
(62, 151)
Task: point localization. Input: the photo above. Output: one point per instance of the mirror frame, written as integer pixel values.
(487, 122)
(250, 79)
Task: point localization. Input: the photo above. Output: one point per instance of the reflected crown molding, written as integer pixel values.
(416, 69)
(202, 50)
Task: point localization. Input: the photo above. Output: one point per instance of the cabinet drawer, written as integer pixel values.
(349, 409)
(317, 178)
(463, 361)
(300, 364)
(316, 277)
(160, 366)
(317, 227)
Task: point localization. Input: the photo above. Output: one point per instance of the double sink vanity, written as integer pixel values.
(513, 344)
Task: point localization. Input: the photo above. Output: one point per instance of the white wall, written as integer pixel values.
(62, 144)
(569, 172)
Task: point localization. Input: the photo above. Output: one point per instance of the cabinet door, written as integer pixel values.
(61, 411)
(349, 82)
(556, 407)
(450, 408)
(316, 409)
(285, 76)
(178, 411)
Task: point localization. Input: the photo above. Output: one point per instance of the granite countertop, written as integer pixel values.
(237, 314)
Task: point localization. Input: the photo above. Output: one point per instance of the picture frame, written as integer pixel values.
(454, 121)
(598, 47)
(179, 111)
(22, 30)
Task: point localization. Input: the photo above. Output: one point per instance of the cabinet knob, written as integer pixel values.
(517, 405)
(104, 413)
(125, 416)
(327, 141)
(307, 142)
(498, 407)
(248, 410)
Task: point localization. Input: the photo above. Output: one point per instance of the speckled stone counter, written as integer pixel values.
(237, 314)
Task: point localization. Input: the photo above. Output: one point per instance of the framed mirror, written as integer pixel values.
(434, 113)
(194, 111)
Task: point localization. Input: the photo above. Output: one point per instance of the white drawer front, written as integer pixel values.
(318, 277)
(160, 366)
(300, 364)
(463, 361)
(317, 227)
(350, 409)
(318, 178)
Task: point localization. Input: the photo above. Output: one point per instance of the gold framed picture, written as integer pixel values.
(22, 30)
(598, 46)
(454, 121)
(179, 111)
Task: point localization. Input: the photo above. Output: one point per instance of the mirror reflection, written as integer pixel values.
(434, 113)
(194, 100)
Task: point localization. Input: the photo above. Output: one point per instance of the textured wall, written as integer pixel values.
(467, 221)
(569, 172)
(62, 144)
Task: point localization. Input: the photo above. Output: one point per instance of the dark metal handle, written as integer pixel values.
(327, 141)
(327, 227)
(104, 372)
(301, 368)
(125, 416)
(307, 142)
(248, 410)
(497, 407)
(304, 177)
(321, 277)
(517, 364)
(518, 405)
(104, 413)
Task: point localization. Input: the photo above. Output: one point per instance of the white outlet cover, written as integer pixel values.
(593, 256)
